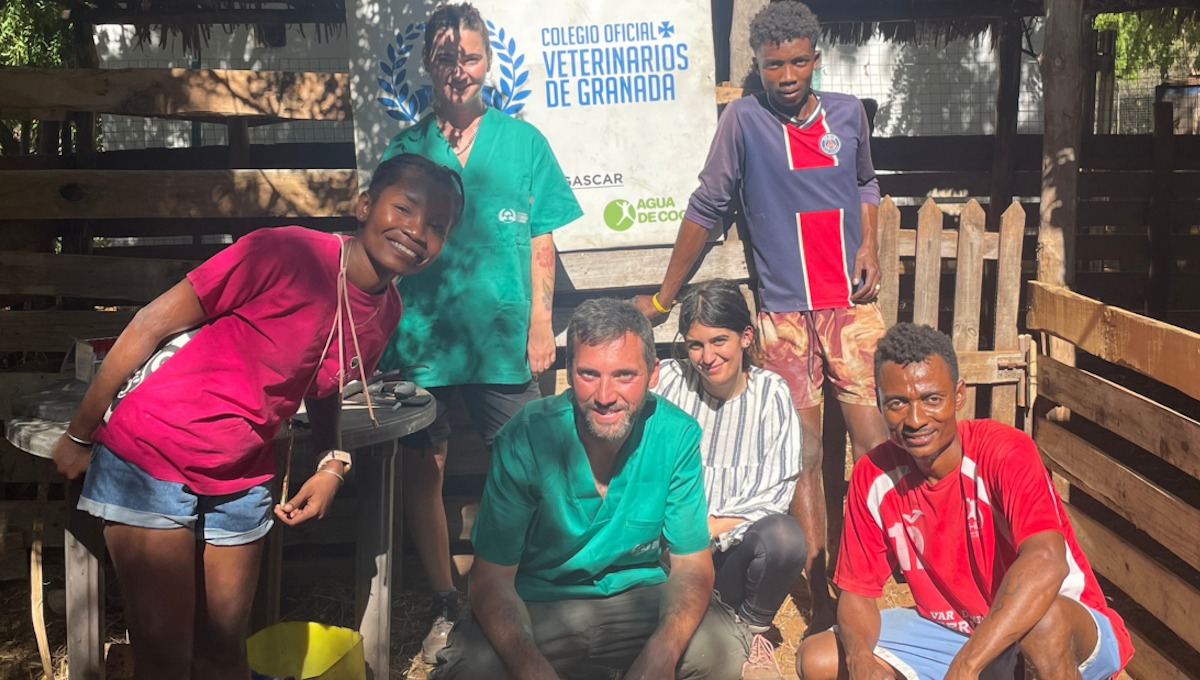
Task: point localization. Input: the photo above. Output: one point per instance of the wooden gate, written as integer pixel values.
(932, 250)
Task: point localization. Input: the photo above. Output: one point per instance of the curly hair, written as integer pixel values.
(908, 343)
(782, 21)
(461, 16)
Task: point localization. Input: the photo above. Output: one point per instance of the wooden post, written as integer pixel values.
(78, 236)
(1091, 59)
(1106, 88)
(1008, 98)
(1158, 285)
(740, 53)
(239, 158)
(1062, 87)
(1062, 78)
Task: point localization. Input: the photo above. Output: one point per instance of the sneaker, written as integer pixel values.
(761, 665)
(445, 612)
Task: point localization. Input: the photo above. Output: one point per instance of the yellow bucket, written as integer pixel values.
(307, 651)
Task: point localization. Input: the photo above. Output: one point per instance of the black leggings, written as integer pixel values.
(755, 576)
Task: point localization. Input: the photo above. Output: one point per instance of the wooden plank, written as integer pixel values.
(1114, 184)
(907, 244)
(1168, 597)
(192, 252)
(99, 194)
(1162, 515)
(1164, 432)
(1132, 250)
(53, 331)
(592, 270)
(212, 225)
(180, 92)
(889, 260)
(929, 264)
(1008, 99)
(1125, 289)
(968, 289)
(1125, 215)
(994, 367)
(1159, 226)
(103, 278)
(1151, 663)
(1008, 298)
(726, 94)
(285, 155)
(940, 184)
(1168, 354)
(957, 153)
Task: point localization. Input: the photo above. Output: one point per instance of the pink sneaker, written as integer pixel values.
(761, 665)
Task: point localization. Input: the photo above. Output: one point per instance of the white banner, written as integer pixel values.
(623, 90)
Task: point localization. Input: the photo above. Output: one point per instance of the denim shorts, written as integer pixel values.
(118, 491)
(922, 649)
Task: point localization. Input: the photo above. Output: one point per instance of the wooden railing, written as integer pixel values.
(1127, 455)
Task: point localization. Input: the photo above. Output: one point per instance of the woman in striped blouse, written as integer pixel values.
(751, 450)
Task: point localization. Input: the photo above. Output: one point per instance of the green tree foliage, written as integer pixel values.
(34, 33)
(1161, 40)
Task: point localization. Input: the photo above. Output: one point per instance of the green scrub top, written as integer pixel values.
(541, 510)
(466, 317)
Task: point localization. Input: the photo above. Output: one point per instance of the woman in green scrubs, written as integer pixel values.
(478, 317)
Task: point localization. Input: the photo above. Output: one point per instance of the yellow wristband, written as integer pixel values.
(658, 305)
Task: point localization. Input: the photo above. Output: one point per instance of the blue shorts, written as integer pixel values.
(922, 649)
(118, 491)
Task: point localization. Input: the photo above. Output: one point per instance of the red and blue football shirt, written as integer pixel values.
(801, 188)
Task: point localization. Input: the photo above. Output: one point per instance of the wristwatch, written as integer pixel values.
(338, 455)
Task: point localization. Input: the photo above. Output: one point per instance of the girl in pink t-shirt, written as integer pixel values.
(176, 439)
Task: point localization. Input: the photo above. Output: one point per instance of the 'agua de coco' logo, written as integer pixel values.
(620, 214)
(406, 102)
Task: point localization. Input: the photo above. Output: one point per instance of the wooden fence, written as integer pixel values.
(1128, 464)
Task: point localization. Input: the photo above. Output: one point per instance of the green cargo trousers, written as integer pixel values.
(605, 632)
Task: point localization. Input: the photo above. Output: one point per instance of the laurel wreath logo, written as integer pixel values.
(406, 103)
(510, 96)
(402, 104)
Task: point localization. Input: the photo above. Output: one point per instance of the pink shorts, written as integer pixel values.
(808, 347)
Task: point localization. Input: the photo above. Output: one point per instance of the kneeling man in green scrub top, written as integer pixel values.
(586, 491)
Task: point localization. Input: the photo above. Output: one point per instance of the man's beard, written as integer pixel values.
(612, 431)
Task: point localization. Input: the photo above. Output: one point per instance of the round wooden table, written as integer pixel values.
(40, 419)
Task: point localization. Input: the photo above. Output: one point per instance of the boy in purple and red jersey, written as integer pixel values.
(798, 163)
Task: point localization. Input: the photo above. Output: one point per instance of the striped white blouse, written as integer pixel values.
(750, 444)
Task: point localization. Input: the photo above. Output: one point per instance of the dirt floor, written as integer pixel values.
(314, 595)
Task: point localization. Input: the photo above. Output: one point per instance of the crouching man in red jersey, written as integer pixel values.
(968, 513)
